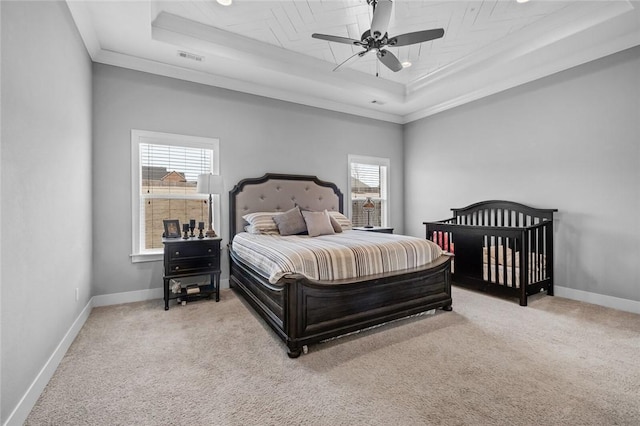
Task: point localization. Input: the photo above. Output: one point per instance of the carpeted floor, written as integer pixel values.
(489, 362)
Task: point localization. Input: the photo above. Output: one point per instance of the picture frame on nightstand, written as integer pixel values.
(171, 228)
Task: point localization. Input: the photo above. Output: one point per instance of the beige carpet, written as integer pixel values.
(489, 362)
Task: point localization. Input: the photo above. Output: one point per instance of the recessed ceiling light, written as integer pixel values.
(225, 2)
(522, 1)
(406, 64)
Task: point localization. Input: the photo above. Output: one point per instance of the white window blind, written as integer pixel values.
(158, 159)
(365, 180)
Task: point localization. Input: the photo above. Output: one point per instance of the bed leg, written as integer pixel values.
(523, 300)
(447, 308)
(294, 354)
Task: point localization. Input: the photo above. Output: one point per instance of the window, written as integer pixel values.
(165, 169)
(369, 179)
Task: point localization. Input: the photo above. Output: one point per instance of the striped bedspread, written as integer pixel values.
(349, 254)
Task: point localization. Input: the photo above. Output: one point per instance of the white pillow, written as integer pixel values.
(262, 222)
(345, 222)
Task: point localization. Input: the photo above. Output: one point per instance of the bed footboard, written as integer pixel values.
(303, 311)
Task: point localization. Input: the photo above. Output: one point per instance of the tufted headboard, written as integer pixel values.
(278, 193)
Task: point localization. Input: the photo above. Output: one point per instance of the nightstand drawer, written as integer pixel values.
(193, 264)
(182, 251)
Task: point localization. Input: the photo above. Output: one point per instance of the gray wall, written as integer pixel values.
(570, 141)
(46, 187)
(257, 135)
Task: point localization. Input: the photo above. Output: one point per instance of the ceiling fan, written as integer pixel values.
(376, 38)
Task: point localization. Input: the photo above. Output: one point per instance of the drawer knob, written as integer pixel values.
(177, 253)
(209, 250)
(210, 263)
(177, 267)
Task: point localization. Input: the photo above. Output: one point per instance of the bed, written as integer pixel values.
(303, 310)
(499, 246)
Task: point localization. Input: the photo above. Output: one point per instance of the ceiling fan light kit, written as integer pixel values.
(377, 38)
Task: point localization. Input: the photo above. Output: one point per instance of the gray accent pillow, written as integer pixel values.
(290, 222)
(318, 223)
(336, 226)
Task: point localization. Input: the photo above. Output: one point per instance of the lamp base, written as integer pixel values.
(210, 233)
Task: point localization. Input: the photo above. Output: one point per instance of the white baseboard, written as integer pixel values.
(136, 296)
(128, 297)
(24, 407)
(598, 299)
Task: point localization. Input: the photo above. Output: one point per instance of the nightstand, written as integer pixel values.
(382, 229)
(190, 258)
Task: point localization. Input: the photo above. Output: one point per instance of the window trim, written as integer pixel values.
(378, 161)
(159, 138)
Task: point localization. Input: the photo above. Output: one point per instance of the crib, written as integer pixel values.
(501, 247)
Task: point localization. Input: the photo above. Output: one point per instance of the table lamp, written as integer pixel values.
(368, 207)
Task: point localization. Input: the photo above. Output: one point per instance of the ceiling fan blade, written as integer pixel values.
(337, 39)
(351, 59)
(381, 18)
(389, 60)
(416, 37)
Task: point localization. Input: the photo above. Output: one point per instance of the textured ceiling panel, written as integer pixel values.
(469, 26)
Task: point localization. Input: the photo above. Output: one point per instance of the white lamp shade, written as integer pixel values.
(210, 184)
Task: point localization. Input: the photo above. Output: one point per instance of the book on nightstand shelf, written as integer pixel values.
(192, 289)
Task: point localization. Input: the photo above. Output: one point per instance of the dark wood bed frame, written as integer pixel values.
(524, 229)
(303, 311)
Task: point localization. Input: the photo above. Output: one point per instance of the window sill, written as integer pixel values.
(146, 257)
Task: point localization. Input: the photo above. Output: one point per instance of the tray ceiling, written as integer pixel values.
(266, 48)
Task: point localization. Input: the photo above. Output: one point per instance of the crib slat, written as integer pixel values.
(505, 274)
(513, 263)
(536, 259)
(539, 255)
(545, 253)
(486, 242)
(496, 268)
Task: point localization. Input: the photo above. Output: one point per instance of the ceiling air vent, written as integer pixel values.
(191, 56)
